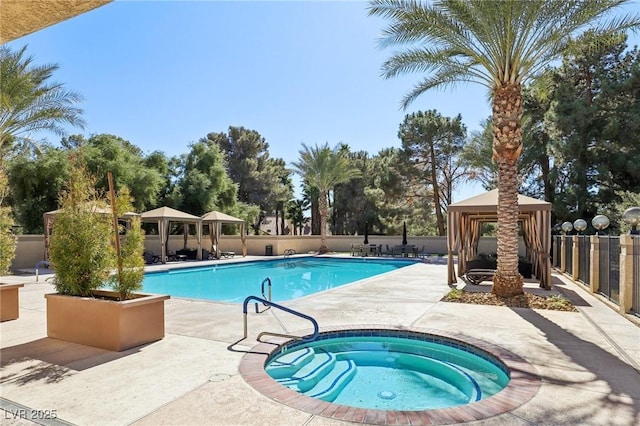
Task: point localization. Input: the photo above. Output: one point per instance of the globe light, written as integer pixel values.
(567, 227)
(632, 217)
(580, 225)
(600, 222)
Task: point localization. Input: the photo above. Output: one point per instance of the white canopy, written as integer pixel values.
(163, 216)
(216, 219)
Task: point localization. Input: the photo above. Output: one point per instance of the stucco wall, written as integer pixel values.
(30, 248)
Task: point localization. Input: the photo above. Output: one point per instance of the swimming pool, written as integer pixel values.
(388, 371)
(290, 278)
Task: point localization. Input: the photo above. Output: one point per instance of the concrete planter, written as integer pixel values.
(9, 306)
(104, 323)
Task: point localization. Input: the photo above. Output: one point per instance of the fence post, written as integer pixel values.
(563, 256)
(594, 264)
(575, 257)
(626, 273)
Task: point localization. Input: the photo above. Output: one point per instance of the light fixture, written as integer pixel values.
(600, 222)
(567, 227)
(580, 225)
(632, 217)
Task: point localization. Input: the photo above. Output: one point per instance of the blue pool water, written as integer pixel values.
(290, 278)
(383, 370)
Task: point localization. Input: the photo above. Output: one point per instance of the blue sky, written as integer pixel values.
(163, 74)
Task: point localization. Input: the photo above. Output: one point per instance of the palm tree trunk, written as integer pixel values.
(507, 145)
(322, 210)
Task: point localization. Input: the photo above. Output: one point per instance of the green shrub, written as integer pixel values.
(81, 250)
(7, 238)
(130, 261)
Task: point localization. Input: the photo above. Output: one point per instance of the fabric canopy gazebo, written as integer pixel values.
(49, 218)
(163, 216)
(464, 220)
(216, 219)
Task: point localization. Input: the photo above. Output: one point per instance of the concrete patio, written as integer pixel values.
(588, 361)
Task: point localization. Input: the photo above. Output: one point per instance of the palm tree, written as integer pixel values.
(29, 102)
(501, 45)
(323, 168)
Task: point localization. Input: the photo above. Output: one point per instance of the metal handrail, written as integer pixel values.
(266, 280)
(43, 263)
(316, 329)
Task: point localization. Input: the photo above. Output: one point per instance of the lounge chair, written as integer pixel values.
(150, 258)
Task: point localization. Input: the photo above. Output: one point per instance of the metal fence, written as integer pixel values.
(584, 259)
(609, 266)
(635, 302)
(568, 254)
(556, 253)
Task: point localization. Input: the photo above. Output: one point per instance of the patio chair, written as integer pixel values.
(150, 258)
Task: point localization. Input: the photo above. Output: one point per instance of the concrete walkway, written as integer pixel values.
(589, 361)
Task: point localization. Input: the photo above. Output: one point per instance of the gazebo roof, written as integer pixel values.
(168, 213)
(215, 216)
(488, 203)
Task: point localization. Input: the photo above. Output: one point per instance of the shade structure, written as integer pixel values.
(464, 220)
(216, 219)
(21, 17)
(163, 216)
(49, 218)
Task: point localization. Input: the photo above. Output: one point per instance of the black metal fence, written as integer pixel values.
(584, 259)
(609, 266)
(558, 249)
(635, 302)
(568, 254)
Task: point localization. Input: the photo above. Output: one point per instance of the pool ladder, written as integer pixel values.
(268, 282)
(282, 308)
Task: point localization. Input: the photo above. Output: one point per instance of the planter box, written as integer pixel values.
(106, 324)
(9, 306)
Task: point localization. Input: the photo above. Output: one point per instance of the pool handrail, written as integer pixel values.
(266, 302)
(266, 280)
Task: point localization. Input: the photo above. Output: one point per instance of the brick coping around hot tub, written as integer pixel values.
(523, 385)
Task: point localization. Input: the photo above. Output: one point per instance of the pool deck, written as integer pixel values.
(588, 361)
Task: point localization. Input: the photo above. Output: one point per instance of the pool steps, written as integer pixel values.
(289, 363)
(311, 372)
(332, 384)
(323, 375)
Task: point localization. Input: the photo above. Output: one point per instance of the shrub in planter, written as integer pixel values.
(83, 254)
(130, 263)
(81, 250)
(7, 238)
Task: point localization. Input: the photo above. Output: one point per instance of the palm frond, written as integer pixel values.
(504, 42)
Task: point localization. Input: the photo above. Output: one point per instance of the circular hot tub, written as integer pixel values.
(369, 374)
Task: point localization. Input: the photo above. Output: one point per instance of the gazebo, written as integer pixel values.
(163, 216)
(216, 219)
(464, 220)
(49, 218)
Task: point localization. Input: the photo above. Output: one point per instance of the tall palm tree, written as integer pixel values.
(499, 44)
(323, 168)
(29, 102)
